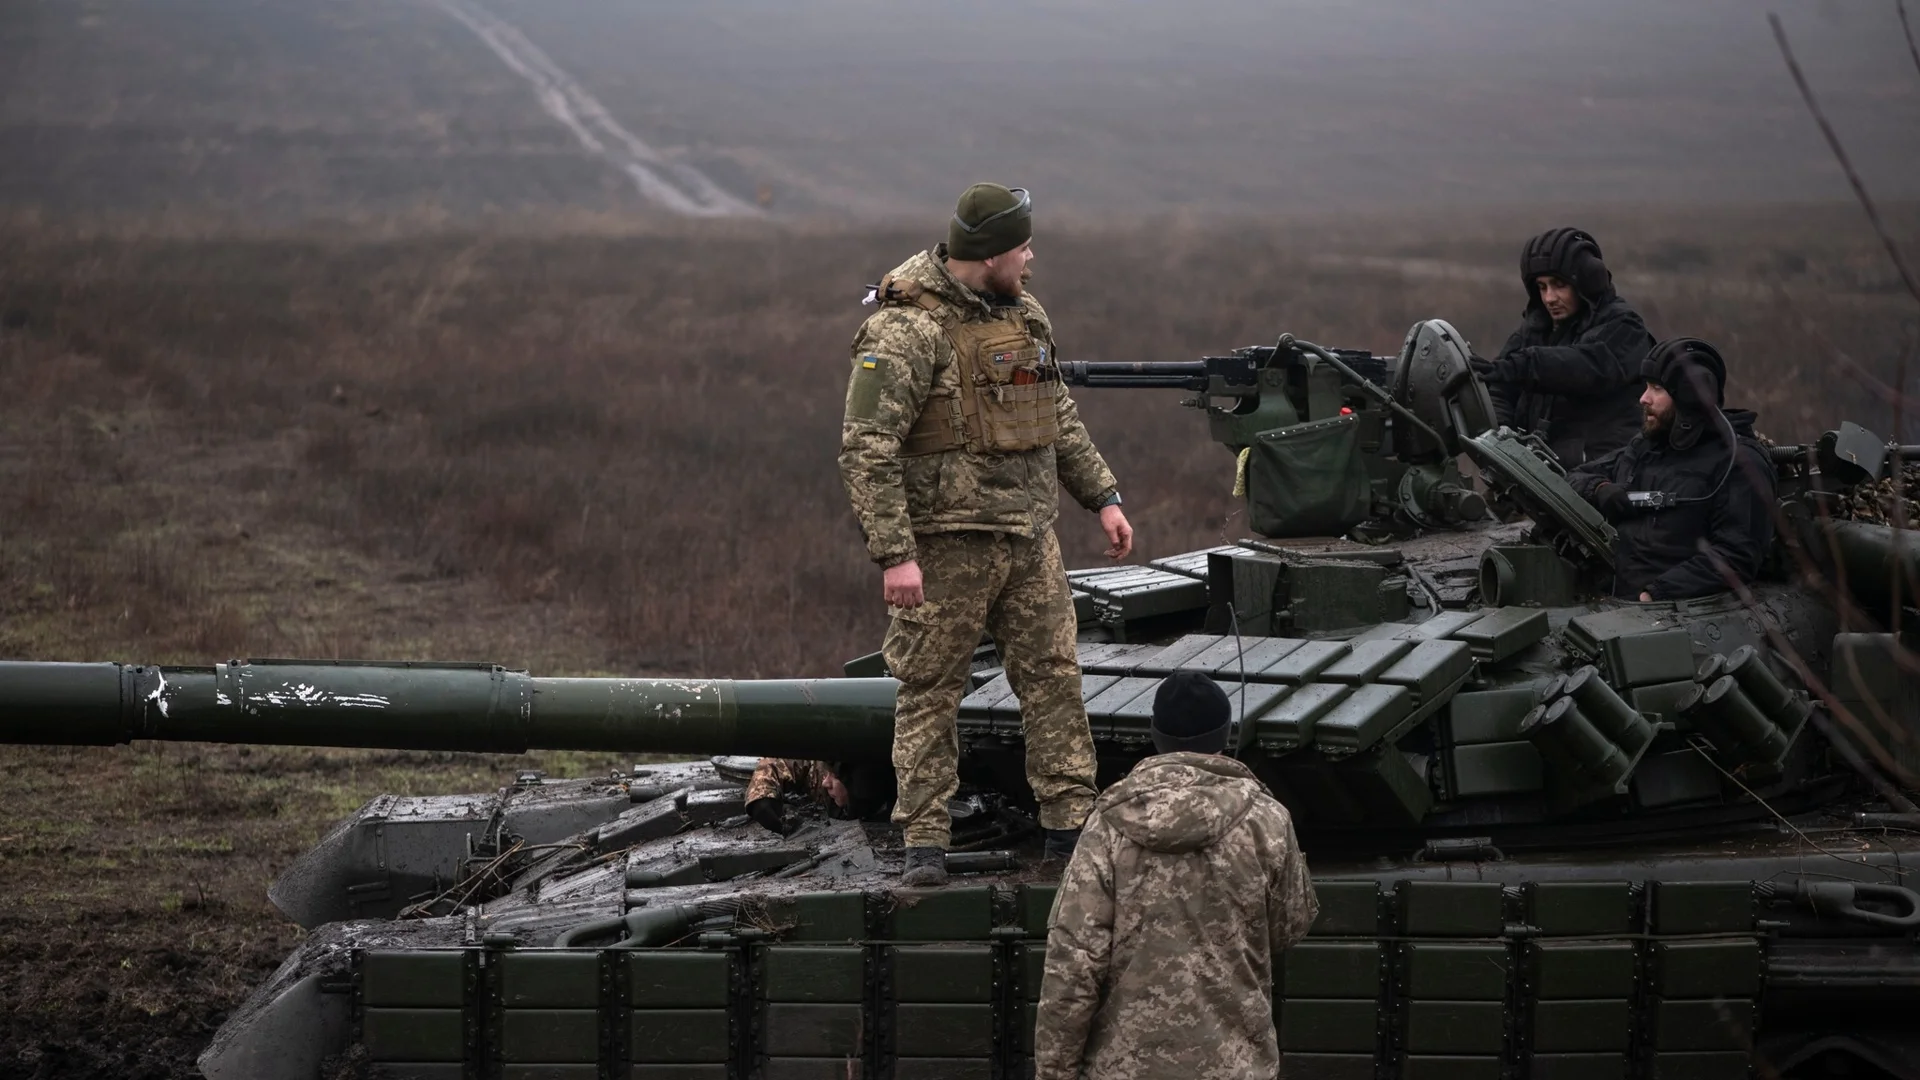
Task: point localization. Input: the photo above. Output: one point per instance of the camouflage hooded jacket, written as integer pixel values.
(775, 777)
(1187, 881)
(899, 356)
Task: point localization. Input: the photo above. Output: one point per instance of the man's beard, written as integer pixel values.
(1010, 285)
(1652, 423)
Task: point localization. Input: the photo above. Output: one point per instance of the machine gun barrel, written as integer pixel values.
(1168, 374)
(1218, 375)
(471, 707)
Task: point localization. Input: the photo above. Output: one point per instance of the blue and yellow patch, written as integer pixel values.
(870, 363)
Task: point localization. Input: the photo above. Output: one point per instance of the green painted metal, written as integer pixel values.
(477, 707)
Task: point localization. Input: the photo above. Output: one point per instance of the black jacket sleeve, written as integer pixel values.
(1738, 533)
(1605, 357)
(1587, 478)
(1506, 395)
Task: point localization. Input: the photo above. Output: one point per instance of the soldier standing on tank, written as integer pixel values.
(1188, 883)
(1713, 478)
(959, 433)
(1570, 373)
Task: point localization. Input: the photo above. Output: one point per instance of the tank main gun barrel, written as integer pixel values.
(471, 707)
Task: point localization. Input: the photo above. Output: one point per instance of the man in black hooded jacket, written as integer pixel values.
(1724, 493)
(1570, 372)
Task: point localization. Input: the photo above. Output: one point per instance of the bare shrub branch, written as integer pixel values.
(1840, 154)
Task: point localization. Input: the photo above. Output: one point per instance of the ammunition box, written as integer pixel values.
(1347, 909)
(1430, 668)
(1360, 719)
(1329, 1025)
(537, 979)
(1501, 768)
(1503, 632)
(1456, 972)
(1450, 908)
(1580, 907)
(562, 1036)
(1331, 969)
(1567, 970)
(1489, 716)
(1702, 907)
(1444, 624)
(964, 914)
(1645, 659)
(1171, 658)
(1365, 661)
(1723, 967)
(1456, 1027)
(1591, 1024)
(1713, 1024)
(670, 977)
(1305, 663)
(1291, 723)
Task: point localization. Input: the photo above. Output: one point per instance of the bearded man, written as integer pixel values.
(1694, 474)
(958, 437)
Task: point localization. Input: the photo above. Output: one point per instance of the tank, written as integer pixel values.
(1553, 835)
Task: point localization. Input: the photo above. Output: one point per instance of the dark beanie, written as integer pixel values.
(1689, 369)
(1573, 256)
(990, 220)
(1190, 712)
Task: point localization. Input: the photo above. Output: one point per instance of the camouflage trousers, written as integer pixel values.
(1014, 589)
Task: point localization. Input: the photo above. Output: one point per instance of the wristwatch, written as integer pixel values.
(1111, 500)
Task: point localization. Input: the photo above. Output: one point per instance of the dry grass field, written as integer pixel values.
(597, 453)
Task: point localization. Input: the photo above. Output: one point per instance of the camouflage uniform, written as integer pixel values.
(776, 776)
(1187, 882)
(980, 524)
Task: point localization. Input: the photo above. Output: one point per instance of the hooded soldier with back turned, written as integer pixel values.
(1570, 373)
(1164, 935)
(958, 435)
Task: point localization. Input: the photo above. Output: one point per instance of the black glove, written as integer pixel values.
(1611, 500)
(1485, 368)
(770, 813)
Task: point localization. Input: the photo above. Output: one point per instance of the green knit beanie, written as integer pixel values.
(989, 221)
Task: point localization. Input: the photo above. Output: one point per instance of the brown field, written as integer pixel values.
(606, 453)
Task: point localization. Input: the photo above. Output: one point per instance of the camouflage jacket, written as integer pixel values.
(778, 776)
(1160, 951)
(899, 355)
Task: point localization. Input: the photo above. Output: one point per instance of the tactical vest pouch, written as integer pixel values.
(1015, 395)
(939, 427)
(1308, 479)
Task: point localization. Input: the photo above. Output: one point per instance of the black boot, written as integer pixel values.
(1060, 844)
(926, 868)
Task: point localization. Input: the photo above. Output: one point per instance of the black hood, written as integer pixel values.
(1573, 256)
(1692, 426)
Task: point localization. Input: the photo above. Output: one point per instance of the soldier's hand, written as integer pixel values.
(901, 585)
(1119, 533)
(1612, 502)
(771, 815)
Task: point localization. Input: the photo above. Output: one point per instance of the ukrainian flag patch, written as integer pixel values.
(869, 363)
